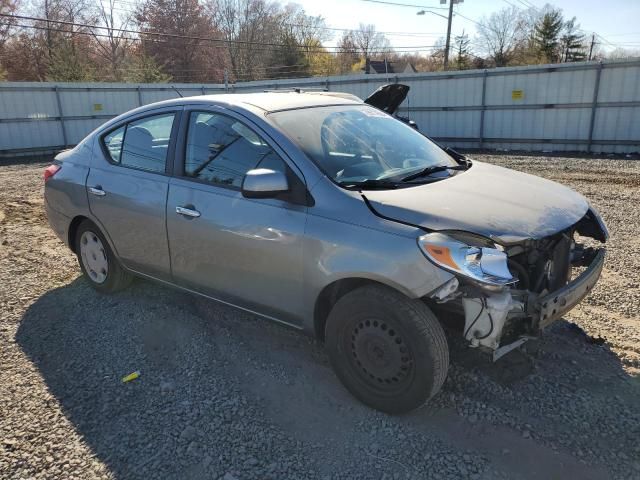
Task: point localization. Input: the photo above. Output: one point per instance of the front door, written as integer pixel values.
(127, 189)
(244, 251)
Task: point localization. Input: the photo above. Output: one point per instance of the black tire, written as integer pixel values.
(388, 350)
(115, 277)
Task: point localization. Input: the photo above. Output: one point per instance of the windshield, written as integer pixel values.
(359, 143)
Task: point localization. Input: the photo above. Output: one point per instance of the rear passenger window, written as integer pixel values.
(221, 150)
(113, 142)
(146, 143)
(142, 144)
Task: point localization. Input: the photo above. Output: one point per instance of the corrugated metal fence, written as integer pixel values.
(592, 107)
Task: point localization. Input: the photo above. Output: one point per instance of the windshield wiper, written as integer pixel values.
(425, 172)
(370, 183)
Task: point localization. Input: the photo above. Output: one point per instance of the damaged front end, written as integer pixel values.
(510, 293)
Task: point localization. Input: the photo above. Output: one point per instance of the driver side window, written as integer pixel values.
(221, 150)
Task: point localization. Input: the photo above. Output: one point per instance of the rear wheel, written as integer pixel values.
(388, 350)
(98, 263)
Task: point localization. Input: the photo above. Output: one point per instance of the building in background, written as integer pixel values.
(384, 66)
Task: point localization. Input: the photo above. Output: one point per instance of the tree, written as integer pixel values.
(69, 63)
(619, 53)
(461, 47)
(368, 41)
(347, 52)
(7, 7)
(547, 35)
(304, 34)
(501, 35)
(24, 58)
(188, 53)
(572, 42)
(288, 61)
(141, 68)
(309, 31)
(321, 61)
(112, 44)
(248, 27)
(56, 42)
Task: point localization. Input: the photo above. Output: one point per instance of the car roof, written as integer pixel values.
(272, 101)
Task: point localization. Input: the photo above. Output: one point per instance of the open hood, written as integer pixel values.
(504, 205)
(388, 97)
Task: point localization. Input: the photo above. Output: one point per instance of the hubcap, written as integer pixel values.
(94, 257)
(380, 353)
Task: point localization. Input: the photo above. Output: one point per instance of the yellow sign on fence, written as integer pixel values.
(97, 107)
(517, 94)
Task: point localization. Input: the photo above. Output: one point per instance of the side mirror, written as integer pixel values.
(264, 183)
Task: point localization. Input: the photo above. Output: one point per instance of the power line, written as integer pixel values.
(224, 42)
(98, 35)
(465, 17)
(337, 29)
(404, 5)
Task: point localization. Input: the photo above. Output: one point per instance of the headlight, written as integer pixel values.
(485, 265)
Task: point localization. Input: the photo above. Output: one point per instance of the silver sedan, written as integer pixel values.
(331, 216)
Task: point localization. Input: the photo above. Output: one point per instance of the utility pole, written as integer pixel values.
(448, 43)
(449, 18)
(593, 42)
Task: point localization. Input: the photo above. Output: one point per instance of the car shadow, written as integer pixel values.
(214, 381)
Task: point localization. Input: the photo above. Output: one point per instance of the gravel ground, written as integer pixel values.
(225, 395)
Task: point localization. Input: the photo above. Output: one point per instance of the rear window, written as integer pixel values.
(142, 144)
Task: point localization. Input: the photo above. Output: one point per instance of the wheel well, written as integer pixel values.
(73, 228)
(330, 295)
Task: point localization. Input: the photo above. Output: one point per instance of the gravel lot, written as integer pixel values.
(223, 394)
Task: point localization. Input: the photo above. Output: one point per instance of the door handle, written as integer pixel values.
(97, 190)
(187, 212)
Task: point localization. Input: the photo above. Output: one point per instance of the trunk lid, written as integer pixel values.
(388, 97)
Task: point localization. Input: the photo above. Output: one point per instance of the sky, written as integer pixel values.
(615, 21)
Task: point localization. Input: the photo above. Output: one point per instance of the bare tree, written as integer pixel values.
(347, 52)
(7, 7)
(245, 25)
(369, 41)
(112, 43)
(502, 34)
(309, 31)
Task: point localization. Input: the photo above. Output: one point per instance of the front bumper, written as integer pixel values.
(553, 306)
(504, 321)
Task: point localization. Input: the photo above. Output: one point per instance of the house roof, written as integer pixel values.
(382, 66)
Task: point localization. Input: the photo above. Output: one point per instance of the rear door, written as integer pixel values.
(244, 251)
(127, 188)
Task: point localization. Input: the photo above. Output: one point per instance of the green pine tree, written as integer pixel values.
(547, 35)
(142, 68)
(461, 47)
(68, 64)
(573, 48)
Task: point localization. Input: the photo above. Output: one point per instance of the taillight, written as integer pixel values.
(51, 170)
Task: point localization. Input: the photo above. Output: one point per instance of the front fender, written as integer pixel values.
(335, 250)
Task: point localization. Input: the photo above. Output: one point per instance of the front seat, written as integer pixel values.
(139, 152)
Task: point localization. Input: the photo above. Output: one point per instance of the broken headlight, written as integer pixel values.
(486, 265)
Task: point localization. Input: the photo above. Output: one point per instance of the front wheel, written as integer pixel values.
(98, 263)
(388, 350)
